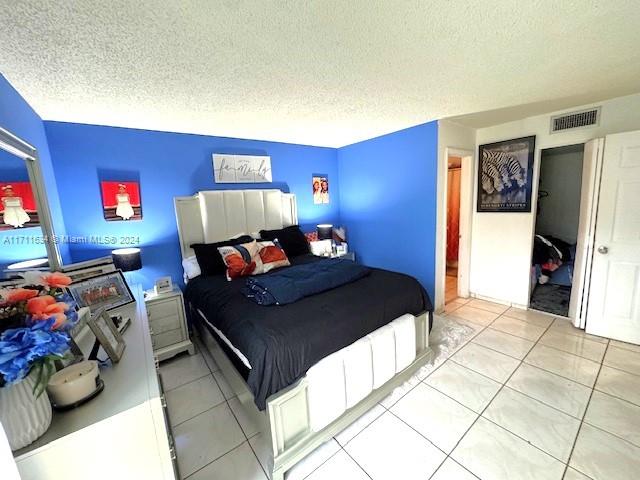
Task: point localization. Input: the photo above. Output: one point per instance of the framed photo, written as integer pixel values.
(17, 206)
(163, 285)
(320, 188)
(108, 291)
(107, 334)
(121, 201)
(505, 175)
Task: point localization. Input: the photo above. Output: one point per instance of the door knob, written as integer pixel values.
(603, 250)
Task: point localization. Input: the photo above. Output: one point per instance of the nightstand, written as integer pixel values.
(351, 255)
(167, 323)
(347, 256)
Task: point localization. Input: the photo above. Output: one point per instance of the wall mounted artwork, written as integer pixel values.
(121, 201)
(505, 172)
(17, 206)
(320, 186)
(242, 168)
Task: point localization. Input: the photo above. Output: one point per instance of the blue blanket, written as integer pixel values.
(290, 284)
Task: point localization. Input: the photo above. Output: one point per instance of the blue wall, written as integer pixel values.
(388, 199)
(20, 119)
(167, 165)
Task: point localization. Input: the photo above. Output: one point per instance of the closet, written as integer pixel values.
(556, 228)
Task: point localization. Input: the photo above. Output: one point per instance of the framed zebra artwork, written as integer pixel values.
(505, 175)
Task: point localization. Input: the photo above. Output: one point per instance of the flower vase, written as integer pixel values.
(24, 417)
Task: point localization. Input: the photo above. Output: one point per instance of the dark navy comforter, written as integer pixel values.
(288, 285)
(282, 342)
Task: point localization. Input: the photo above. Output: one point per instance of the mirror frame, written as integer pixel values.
(16, 146)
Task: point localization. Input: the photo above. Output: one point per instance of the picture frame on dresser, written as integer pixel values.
(107, 334)
(108, 290)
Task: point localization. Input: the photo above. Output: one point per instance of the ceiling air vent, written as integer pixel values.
(569, 121)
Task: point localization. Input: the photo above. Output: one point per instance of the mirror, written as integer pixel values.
(25, 224)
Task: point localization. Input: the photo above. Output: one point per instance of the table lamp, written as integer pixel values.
(127, 259)
(325, 231)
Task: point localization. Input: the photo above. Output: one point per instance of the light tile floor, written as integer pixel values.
(526, 396)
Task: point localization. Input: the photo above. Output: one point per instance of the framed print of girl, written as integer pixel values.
(320, 184)
(16, 200)
(121, 201)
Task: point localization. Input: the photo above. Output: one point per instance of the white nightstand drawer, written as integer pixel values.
(167, 338)
(168, 323)
(164, 324)
(167, 308)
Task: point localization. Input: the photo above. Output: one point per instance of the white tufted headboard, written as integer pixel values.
(217, 215)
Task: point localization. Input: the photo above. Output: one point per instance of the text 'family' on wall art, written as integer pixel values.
(241, 168)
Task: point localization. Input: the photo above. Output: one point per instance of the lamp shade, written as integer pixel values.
(127, 259)
(325, 231)
(36, 263)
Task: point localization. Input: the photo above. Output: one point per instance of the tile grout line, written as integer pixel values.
(482, 328)
(487, 406)
(198, 414)
(325, 460)
(615, 396)
(575, 440)
(355, 461)
(245, 435)
(215, 460)
(473, 423)
(544, 344)
(234, 415)
(538, 400)
(226, 401)
(458, 349)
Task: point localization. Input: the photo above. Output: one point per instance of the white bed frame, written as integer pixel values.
(286, 421)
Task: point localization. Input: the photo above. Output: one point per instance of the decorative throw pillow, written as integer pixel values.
(272, 256)
(311, 236)
(209, 258)
(291, 239)
(252, 258)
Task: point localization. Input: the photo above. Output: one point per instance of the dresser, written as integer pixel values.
(168, 323)
(122, 433)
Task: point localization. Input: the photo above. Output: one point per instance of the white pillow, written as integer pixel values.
(191, 267)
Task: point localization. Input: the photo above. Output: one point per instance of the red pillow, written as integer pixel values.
(252, 258)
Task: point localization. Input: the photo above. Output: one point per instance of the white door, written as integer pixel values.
(614, 295)
(591, 168)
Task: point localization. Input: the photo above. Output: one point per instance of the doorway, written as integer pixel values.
(449, 287)
(454, 172)
(556, 229)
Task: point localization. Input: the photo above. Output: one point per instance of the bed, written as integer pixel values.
(276, 357)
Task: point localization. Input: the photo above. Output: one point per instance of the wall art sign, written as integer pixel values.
(505, 175)
(121, 201)
(242, 168)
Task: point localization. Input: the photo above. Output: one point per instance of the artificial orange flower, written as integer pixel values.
(19, 295)
(37, 305)
(44, 307)
(61, 319)
(56, 280)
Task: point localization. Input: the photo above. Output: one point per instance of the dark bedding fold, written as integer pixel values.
(288, 285)
(283, 342)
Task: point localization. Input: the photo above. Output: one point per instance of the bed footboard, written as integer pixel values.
(286, 421)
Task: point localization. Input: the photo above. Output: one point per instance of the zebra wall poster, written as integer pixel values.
(505, 175)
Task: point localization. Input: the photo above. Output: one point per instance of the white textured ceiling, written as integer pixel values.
(314, 72)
